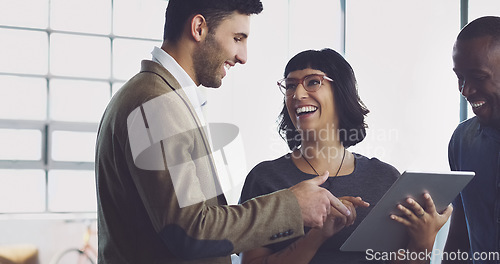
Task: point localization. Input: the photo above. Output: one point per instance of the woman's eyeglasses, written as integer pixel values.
(310, 82)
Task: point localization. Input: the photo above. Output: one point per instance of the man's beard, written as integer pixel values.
(207, 62)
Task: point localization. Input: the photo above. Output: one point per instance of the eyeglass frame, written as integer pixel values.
(301, 81)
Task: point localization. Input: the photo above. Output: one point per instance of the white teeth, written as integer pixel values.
(476, 105)
(306, 109)
(227, 66)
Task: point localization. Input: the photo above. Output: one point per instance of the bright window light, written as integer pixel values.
(23, 98)
(20, 144)
(24, 13)
(90, 16)
(64, 144)
(78, 101)
(60, 62)
(22, 191)
(127, 56)
(80, 56)
(72, 191)
(139, 18)
(18, 53)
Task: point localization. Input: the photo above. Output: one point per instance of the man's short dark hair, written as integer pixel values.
(481, 27)
(180, 11)
(349, 108)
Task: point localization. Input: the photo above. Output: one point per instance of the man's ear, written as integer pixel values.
(199, 27)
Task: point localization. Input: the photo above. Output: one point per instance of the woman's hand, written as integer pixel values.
(422, 224)
(304, 249)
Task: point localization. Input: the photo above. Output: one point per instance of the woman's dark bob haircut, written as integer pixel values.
(349, 108)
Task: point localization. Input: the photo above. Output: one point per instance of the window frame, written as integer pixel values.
(47, 126)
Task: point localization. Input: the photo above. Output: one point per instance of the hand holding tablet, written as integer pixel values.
(379, 232)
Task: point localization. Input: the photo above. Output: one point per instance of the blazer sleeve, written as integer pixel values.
(172, 169)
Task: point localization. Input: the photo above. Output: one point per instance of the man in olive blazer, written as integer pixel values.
(159, 199)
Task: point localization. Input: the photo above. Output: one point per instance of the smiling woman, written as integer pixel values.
(325, 114)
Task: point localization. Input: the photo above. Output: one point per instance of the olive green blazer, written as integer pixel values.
(159, 200)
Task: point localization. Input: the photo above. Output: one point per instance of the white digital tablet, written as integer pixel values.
(380, 233)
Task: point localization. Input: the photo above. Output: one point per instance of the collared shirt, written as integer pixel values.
(195, 95)
(474, 147)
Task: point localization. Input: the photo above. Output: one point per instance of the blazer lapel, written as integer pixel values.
(168, 78)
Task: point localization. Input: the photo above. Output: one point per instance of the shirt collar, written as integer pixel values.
(194, 93)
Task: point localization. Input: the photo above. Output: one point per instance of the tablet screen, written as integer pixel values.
(378, 232)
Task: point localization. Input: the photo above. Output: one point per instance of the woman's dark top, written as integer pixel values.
(370, 180)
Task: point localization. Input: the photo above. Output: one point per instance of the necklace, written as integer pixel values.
(336, 174)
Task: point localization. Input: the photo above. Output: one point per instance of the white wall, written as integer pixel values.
(401, 53)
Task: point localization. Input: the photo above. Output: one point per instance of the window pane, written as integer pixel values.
(78, 101)
(72, 191)
(405, 78)
(127, 56)
(73, 15)
(24, 13)
(139, 18)
(73, 146)
(23, 51)
(20, 144)
(22, 191)
(23, 98)
(80, 56)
